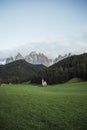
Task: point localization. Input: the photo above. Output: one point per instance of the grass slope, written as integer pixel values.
(59, 107)
(75, 80)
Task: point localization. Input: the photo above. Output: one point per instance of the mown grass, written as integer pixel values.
(28, 107)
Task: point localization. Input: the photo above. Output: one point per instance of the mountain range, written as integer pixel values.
(20, 71)
(35, 58)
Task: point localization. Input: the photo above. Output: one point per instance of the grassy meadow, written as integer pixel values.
(32, 107)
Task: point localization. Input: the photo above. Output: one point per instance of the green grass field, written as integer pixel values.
(28, 107)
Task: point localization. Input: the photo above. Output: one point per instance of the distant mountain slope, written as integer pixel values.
(64, 70)
(18, 71)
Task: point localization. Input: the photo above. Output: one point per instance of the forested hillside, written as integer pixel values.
(18, 71)
(71, 67)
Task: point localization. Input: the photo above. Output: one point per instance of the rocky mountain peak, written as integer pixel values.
(60, 57)
(9, 60)
(38, 58)
(33, 53)
(19, 56)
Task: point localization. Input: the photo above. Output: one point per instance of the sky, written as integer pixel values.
(52, 27)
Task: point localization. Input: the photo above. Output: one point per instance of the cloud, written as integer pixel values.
(75, 44)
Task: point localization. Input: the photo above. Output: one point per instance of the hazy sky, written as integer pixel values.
(49, 26)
